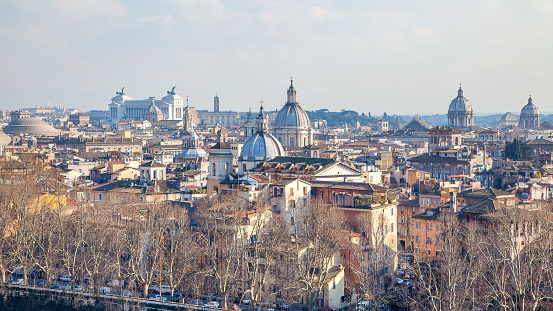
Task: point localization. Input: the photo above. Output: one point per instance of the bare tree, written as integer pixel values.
(260, 240)
(448, 283)
(515, 253)
(219, 227)
(317, 241)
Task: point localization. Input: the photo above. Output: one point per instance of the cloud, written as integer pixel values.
(425, 33)
(164, 21)
(318, 12)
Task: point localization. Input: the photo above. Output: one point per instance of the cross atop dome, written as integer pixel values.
(460, 92)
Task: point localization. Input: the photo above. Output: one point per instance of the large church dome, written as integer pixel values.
(530, 109)
(292, 126)
(460, 103)
(291, 115)
(261, 146)
(30, 126)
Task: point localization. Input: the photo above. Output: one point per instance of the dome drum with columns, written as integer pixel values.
(529, 116)
(292, 126)
(460, 114)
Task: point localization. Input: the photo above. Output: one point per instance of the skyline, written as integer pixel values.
(363, 56)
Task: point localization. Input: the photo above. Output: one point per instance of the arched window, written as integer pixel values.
(214, 174)
(155, 174)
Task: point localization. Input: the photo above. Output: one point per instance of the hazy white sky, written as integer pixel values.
(402, 57)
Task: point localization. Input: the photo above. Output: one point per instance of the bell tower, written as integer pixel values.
(216, 103)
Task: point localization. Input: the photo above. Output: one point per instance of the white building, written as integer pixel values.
(123, 107)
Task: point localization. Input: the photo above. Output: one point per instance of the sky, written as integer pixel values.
(399, 57)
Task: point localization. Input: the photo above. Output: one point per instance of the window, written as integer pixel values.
(418, 239)
(304, 190)
(99, 196)
(402, 209)
(291, 191)
(412, 221)
(392, 227)
(428, 241)
(428, 226)
(438, 253)
(413, 210)
(428, 252)
(402, 219)
(418, 225)
(213, 169)
(392, 212)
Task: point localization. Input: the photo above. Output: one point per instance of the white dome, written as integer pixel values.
(30, 126)
(508, 117)
(291, 115)
(261, 146)
(460, 103)
(530, 109)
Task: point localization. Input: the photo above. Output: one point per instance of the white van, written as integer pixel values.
(363, 305)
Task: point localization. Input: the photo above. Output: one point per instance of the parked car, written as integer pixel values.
(408, 282)
(283, 306)
(54, 285)
(153, 289)
(235, 307)
(400, 273)
(65, 286)
(165, 290)
(209, 296)
(159, 297)
(246, 301)
(104, 290)
(65, 278)
(17, 280)
(212, 304)
(195, 302)
(363, 305)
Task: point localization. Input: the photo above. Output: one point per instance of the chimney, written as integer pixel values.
(453, 202)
